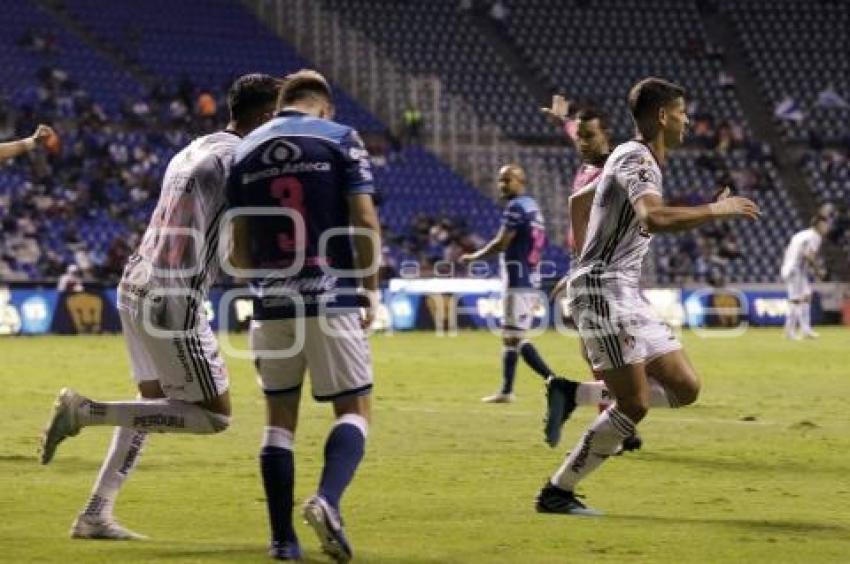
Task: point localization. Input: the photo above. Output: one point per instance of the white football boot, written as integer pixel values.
(63, 423)
(91, 527)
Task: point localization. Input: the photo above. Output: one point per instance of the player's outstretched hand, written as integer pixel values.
(558, 112)
(728, 206)
(42, 134)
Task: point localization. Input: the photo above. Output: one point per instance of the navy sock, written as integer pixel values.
(509, 358)
(532, 358)
(277, 466)
(343, 452)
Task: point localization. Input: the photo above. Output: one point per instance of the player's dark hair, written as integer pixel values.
(303, 84)
(590, 113)
(251, 94)
(650, 95)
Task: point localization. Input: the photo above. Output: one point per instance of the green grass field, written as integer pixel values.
(757, 471)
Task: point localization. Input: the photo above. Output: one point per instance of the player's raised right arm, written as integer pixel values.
(657, 217)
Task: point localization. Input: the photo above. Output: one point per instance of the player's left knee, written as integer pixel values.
(688, 394)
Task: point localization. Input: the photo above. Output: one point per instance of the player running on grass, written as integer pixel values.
(590, 133)
(642, 362)
(174, 356)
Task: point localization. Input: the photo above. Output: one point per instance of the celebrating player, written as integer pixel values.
(590, 133)
(12, 149)
(315, 175)
(520, 241)
(174, 356)
(797, 265)
(642, 362)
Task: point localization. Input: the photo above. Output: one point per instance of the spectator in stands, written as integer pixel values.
(499, 12)
(71, 281)
(206, 105)
(412, 124)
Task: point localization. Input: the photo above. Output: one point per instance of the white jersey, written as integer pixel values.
(616, 243)
(804, 243)
(179, 250)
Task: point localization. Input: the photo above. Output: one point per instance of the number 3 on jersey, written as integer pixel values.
(289, 192)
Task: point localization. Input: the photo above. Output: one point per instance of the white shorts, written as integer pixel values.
(798, 286)
(333, 348)
(187, 364)
(518, 309)
(618, 327)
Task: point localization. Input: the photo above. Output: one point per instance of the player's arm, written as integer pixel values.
(579, 206)
(367, 247)
(657, 217)
(558, 113)
(13, 149)
(363, 216)
(642, 183)
(493, 247)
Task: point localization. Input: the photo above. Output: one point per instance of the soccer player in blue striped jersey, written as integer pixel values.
(313, 262)
(174, 356)
(519, 242)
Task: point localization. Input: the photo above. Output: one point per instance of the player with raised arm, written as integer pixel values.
(519, 242)
(590, 133)
(12, 149)
(314, 261)
(173, 352)
(642, 362)
(798, 265)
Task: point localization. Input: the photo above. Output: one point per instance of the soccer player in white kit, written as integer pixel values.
(173, 353)
(798, 265)
(590, 133)
(642, 362)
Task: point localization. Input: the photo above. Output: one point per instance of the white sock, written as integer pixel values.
(789, 321)
(593, 392)
(162, 415)
(806, 317)
(122, 457)
(795, 311)
(278, 437)
(659, 396)
(601, 440)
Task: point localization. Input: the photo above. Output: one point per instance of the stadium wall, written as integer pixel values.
(434, 304)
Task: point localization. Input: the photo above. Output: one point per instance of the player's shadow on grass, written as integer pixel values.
(759, 525)
(784, 465)
(219, 553)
